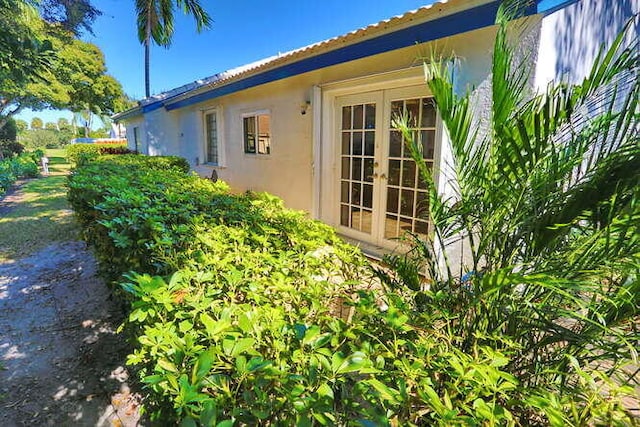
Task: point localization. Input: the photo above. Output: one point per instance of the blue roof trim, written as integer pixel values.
(467, 20)
(151, 107)
(547, 7)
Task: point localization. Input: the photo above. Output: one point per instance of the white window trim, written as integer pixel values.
(255, 113)
(218, 111)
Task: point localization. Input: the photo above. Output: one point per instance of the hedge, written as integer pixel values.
(247, 313)
(23, 166)
(80, 153)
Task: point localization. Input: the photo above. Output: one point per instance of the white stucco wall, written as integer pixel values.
(563, 43)
(570, 38)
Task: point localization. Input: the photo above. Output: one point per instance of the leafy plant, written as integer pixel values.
(546, 208)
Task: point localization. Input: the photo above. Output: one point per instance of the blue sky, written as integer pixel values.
(243, 31)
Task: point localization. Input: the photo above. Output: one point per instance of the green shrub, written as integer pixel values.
(247, 313)
(79, 154)
(22, 166)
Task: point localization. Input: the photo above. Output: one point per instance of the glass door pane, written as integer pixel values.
(357, 142)
(406, 196)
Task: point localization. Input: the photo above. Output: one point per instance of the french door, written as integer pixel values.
(381, 195)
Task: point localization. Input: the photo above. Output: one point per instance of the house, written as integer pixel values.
(313, 126)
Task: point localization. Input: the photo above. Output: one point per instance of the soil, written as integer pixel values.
(61, 360)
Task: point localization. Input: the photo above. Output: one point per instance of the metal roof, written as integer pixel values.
(423, 14)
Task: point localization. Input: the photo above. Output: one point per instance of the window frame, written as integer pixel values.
(255, 114)
(217, 110)
(136, 139)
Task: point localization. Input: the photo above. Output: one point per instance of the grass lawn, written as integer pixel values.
(38, 213)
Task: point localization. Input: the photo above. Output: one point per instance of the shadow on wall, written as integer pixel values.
(582, 28)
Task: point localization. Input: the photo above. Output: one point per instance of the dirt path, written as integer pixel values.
(61, 363)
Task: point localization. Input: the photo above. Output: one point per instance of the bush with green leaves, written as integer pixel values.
(247, 313)
(547, 210)
(78, 154)
(22, 166)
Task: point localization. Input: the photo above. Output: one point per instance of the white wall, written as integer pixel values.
(571, 37)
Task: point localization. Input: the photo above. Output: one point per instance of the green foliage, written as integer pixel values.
(36, 123)
(79, 154)
(155, 23)
(46, 66)
(12, 168)
(40, 139)
(10, 131)
(547, 209)
(247, 313)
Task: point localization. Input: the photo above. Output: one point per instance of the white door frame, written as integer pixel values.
(409, 82)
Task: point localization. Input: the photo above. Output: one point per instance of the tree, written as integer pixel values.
(10, 131)
(21, 125)
(155, 24)
(76, 79)
(73, 15)
(36, 123)
(25, 53)
(63, 123)
(51, 126)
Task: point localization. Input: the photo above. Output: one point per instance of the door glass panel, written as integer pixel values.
(346, 143)
(344, 192)
(428, 113)
(357, 144)
(367, 196)
(395, 144)
(366, 220)
(368, 170)
(370, 116)
(407, 205)
(355, 193)
(344, 215)
(358, 111)
(369, 143)
(356, 170)
(345, 168)
(357, 174)
(346, 118)
(390, 226)
(408, 173)
(406, 202)
(394, 172)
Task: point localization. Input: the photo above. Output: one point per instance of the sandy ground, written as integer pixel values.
(61, 362)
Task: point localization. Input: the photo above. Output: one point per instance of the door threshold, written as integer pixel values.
(370, 250)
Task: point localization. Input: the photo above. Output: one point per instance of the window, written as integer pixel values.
(212, 142)
(257, 133)
(136, 141)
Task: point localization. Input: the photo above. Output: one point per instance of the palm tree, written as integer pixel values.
(547, 207)
(155, 23)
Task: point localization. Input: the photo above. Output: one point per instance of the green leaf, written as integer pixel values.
(385, 392)
(188, 422)
(166, 365)
(185, 326)
(203, 365)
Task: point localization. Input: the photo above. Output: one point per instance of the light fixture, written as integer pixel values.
(304, 107)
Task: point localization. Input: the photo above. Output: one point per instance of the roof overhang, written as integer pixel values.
(435, 22)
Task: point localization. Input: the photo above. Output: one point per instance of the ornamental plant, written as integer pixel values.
(242, 312)
(546, 210)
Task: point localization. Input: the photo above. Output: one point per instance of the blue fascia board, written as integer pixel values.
(151, 107)
(467, 20)
(547, 7)
(461, 22)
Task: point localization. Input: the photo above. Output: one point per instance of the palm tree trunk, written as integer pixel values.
(147, 89)
(147, 49)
